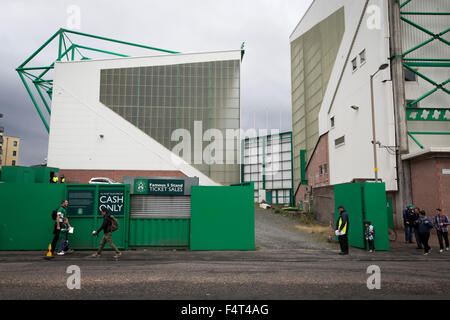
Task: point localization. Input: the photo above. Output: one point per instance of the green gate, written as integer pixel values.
(84, 212)
(223, 218)
(364, 202)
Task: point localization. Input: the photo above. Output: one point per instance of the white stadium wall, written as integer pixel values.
(85, 134)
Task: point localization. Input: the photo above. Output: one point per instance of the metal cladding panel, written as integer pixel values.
(375, 212)
(350, 196)
(412, 36)
(159, 232)
(223, 218)
(154, 206)
(312, 59)
(27, 225)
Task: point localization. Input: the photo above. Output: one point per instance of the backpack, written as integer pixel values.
(55, 213)
(114, 223)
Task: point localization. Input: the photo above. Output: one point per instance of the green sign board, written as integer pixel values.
(81, 202)
(159, 186)
(113, 200)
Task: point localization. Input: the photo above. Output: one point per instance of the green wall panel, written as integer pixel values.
(222, 218)
(375, 212)
(25, 214)
(159, 232)
(349, 195)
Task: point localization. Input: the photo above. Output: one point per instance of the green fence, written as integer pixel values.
(84, 212)
(222, 218)
(25, 214)
(159, 232)
(364, 202)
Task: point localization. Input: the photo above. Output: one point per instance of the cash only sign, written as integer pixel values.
(159, 186)
(113, 200)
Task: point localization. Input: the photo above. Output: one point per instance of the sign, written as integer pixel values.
(445, 171)
(81, 202)
(113, 200)
(159, 186)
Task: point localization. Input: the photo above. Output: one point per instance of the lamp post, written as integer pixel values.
(374, 141)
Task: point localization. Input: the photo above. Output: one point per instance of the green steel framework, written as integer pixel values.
(425, 114)
(68, 52)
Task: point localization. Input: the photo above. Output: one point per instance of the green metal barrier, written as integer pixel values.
(222, 218)
(364, 202)
(25, 214)
(159, 232)
(84, 212)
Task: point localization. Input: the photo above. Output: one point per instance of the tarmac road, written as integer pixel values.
(266, 273)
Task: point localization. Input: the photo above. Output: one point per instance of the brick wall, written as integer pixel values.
(83, 176)
(430, 187)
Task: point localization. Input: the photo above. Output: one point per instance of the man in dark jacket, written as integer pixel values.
(408, 222)
(342, 230)
(107, 235)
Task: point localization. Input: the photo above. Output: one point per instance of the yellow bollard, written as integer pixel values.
(49, 253)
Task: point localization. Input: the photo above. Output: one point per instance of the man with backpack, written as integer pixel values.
(58, 215)
(109, 225)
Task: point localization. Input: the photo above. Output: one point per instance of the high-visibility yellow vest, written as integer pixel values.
(63, 180)
(344, 229)
(55, 179)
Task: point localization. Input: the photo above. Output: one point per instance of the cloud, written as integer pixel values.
(180, 25)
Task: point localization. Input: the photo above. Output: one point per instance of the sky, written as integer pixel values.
(178, 25)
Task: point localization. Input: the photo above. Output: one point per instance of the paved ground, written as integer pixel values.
(313, 272)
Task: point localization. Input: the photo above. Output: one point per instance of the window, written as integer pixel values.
(409, 75)
(15, 143)
(339, 141)
(325, 168)
(332, 122)
(13, 162)
(415, 105)
(354, 66)
(14, 153)
(362, 56)
(320, 170)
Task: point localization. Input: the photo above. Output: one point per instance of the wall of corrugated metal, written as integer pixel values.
(159, 232)
(412, 36)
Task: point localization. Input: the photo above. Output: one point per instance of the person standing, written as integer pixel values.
(58, 224)
(408, 220)
(107, 235)
(441, 223)
(342, 230)
(425, 227)
(415, 222)
(369, 233)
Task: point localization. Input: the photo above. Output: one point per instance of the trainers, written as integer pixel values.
(425, 254)
(442, 250)
(117, 255)
(95, 255)
(446, 249)
(60, 253)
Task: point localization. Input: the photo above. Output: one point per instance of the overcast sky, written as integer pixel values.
(179, 25)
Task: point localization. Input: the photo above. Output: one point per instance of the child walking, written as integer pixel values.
(369, 233)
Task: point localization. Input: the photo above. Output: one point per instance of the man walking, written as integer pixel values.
(58, 224)
(342, 230)
(107, 235)
(441, 222)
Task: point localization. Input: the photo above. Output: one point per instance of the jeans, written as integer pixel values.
(370, 245)
(442, 236)
(409, 230)
(56, 233)
(418, 241)
(107, 237)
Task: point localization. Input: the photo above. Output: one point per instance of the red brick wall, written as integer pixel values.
(431, 188)
(83, 176)
(315, 179)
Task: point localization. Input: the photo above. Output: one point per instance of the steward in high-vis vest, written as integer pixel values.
(63, 179)
(342, 230)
